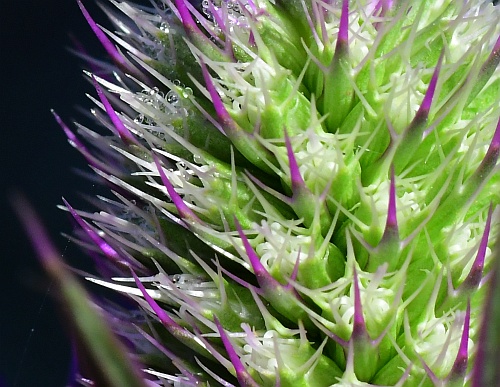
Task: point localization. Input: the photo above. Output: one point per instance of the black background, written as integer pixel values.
(38, 73)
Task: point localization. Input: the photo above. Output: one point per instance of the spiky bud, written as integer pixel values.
(307, 191)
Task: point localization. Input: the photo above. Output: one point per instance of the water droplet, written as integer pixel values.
(172, 97)
(198, 159)
(176, 278)
(164, 27)
(187, 92)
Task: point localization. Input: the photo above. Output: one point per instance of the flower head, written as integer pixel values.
(306, 190)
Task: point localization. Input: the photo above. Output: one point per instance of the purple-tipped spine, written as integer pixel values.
(225, 119)
(343, 36)
(425, 106)
(186, 18)
(391, 225)
(359, 331)
(107, 250)
(476, 272)
(489, 162)
(184, 211)
(460, 365)
(122, 131)
(164, 318)
(242, 374)
(110, 48)
(295, 176)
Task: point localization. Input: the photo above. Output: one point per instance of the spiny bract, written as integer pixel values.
(306, 188)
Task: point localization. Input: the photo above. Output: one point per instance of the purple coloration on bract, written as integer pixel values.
(425, 106)
(122, 131)
(109, 251)
(242, 374)
(460, 365)
(184, 211)
(391, 225)
(343, 38)
(110, 48)
(359, 326)
(297, 180)
(476, 272)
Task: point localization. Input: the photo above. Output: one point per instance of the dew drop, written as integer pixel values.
(187, 92)
(139, 119)
(172, 97)
(176, 278)
(164, 27)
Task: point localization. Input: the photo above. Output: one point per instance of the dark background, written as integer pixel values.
(38, 73)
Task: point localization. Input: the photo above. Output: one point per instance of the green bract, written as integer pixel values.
(306, 191)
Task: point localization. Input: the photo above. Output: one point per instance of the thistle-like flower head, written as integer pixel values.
(306, 191)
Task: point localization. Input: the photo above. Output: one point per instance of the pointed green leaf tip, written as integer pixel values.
(307, 190)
